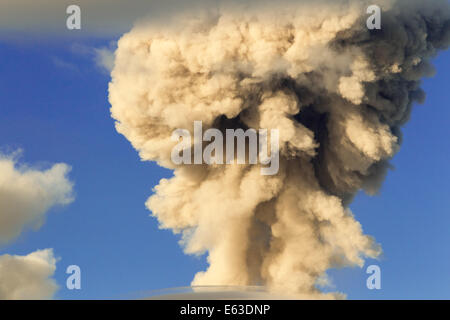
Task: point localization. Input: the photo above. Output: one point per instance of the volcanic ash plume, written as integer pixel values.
(337, 92)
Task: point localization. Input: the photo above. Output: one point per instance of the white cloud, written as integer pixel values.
(104, 58)
(26, 195)
(28, 277)
(61, 63)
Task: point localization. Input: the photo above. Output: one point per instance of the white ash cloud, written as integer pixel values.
(337, 92)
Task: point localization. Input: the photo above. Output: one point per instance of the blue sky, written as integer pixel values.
(55, 108)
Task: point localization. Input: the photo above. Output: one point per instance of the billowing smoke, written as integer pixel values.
(337, 92)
